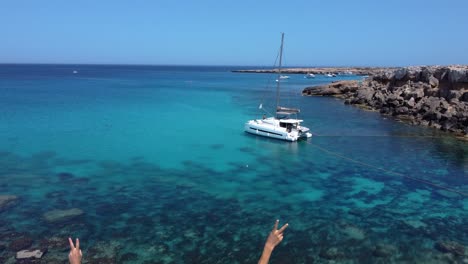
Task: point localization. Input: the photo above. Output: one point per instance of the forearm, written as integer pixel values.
(265, 255)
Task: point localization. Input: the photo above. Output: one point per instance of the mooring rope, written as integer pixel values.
(395, 136)
(388, 171)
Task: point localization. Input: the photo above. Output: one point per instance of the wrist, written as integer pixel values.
(268, 247)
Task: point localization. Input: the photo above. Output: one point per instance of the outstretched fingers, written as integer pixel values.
(71, 243)
(77, 244)
(283, 228)
(275, 227)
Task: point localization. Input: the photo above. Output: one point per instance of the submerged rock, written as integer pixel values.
(353, 232)
(29, 254)
(21, 243)
(129, 256)
(7, 201)
(64, 176)
(447, 194)
(414, 223)
(55, 243)
(450, 247)
(384, 250)
(55, 216)
(104, 252)
(331, 253)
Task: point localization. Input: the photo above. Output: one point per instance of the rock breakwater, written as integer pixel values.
(434, 96)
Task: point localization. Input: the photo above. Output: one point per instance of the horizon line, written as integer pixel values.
(214, 65)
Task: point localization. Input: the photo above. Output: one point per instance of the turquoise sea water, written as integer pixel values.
(157, 160)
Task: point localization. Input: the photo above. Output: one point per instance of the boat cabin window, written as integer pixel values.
(288, 126)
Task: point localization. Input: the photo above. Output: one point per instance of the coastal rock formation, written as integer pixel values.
(435, 96)
(55, 216)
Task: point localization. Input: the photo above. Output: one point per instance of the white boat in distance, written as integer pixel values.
(282, 125)
(284, 77)
(310, 76)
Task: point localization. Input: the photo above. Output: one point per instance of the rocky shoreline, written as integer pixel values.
(434, 96)
(320, 70)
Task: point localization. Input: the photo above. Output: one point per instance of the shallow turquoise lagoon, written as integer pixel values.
(156, 161)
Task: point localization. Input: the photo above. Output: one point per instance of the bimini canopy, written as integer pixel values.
(291, 121)
(286, 110)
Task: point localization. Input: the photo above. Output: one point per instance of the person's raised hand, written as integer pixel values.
(276, 236)
(75, 252)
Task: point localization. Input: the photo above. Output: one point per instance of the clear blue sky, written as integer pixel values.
(216, 32)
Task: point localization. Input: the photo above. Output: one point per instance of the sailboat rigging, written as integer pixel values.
(281, 125)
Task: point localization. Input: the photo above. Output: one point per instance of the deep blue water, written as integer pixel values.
(157, 160)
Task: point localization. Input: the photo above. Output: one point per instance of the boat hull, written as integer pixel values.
(256, 127)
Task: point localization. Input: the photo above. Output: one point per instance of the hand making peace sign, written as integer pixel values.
(75, 252)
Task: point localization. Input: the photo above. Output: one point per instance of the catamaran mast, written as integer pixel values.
(279, 75)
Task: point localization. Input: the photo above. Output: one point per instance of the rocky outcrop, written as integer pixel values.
(435, 96)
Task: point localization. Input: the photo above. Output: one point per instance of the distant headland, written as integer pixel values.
(321, 70)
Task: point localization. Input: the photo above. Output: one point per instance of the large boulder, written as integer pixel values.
(411, 103)
(457, 74)
(414, 74)
(464, 97)
(403, 110)
(430, 104)
(433, 81)
(394, 100)
(426, 74)
(365, 95)
(412, 92)
(400, 74)
(384, 76)
(332, 89)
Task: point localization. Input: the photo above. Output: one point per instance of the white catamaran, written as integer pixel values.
(282, 125)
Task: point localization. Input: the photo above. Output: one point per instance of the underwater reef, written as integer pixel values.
(137, 212)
